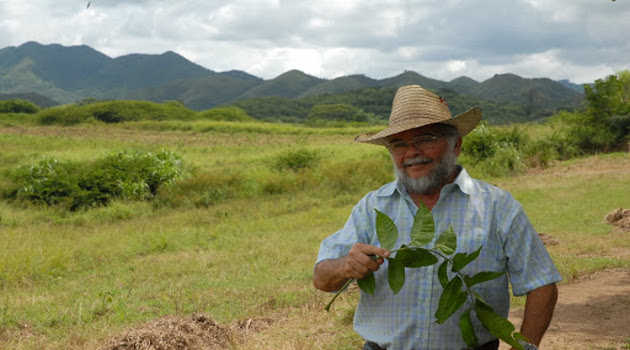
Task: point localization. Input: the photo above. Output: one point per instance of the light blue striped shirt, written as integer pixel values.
(481, 215)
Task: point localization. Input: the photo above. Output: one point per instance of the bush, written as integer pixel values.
(296, 160)
(114, 112)
(541, 153)
(484, 142)
(130, 175)
(18, 106)
(228, 114)
(47, 181)
(507, 160)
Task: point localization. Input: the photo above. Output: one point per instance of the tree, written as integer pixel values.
(604, 124)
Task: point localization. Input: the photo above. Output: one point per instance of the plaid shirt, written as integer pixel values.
(481, 215)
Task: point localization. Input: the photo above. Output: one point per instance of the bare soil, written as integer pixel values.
(593, 312)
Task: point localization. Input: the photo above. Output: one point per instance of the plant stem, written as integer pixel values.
(327, 308)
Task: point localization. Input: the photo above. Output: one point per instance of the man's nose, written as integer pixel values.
(412, 150)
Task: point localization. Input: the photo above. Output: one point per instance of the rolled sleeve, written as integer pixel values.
(529, 264)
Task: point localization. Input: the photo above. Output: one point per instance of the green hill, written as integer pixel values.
(70, 74)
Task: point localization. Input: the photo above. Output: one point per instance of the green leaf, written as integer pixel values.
(423, 229)
(443, 274)
(468, 331)
(386, 231)
(416, 257)
(395, 274)
(499, 326)
(367, 283)
(481, 304)
(482, 277)
(460, 260)
(451, 300)
(447, 241)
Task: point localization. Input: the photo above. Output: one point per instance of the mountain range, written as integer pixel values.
(67, 74)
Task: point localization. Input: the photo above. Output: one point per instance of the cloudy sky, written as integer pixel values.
(579, 40)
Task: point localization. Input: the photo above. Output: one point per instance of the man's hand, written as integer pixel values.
(330, 275)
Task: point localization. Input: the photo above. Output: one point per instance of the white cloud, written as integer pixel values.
(577, 39)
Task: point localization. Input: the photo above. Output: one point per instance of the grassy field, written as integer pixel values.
(237, 239)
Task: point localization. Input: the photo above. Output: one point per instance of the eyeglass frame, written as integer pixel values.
(428, 142)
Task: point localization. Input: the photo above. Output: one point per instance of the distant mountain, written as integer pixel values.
(200, 93)
(463, 84)
(139, 71)
(576, 87)
(66, 68)
(533, 94)
(341, 84)
(410, 77)
(290, 84)
(70, 74)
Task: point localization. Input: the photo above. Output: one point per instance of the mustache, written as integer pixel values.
(417, 160)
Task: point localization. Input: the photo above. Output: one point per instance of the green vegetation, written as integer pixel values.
(18, 106)
(113, 112)
(230, 114)
(131, 175)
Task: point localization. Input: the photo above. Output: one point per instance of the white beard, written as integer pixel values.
(432, 182)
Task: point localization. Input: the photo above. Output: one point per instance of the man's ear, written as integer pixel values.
(458, 146)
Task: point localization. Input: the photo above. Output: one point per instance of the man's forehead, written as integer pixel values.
(427, 129)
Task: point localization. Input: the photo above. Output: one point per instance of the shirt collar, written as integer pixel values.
(464, 182)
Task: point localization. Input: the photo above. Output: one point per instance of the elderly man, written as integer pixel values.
(424, 142)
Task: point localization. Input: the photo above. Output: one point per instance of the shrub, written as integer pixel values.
(540, 153)
(47, 181)
(484, 141)
(114, 112)
(18, 106)
(228, 114)
(296, 159)
(507, 160)
(130, 175)
(63, 115)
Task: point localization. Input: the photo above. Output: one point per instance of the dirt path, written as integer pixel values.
(592, 313)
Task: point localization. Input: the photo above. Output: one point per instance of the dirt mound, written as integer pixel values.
(620, 218)
(173, 333)
(194, 333)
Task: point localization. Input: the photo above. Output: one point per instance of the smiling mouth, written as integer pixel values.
(417, 161)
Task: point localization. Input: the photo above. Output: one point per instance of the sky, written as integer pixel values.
(579, 40)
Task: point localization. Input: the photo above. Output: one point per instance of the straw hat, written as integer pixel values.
(414, 107)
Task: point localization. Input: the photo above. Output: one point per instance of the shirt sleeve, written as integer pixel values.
(357, 229)
(529, 264)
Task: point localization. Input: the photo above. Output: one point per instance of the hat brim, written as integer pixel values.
(465, 123)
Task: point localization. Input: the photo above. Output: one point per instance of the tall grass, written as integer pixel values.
(238, 237)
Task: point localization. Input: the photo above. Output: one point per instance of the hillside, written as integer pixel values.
(70, 74)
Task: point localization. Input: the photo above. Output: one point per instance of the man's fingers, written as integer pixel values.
(364, 258)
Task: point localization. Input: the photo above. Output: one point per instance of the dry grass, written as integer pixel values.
(173, 333)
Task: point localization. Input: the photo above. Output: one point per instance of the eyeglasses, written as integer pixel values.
(421, 143)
